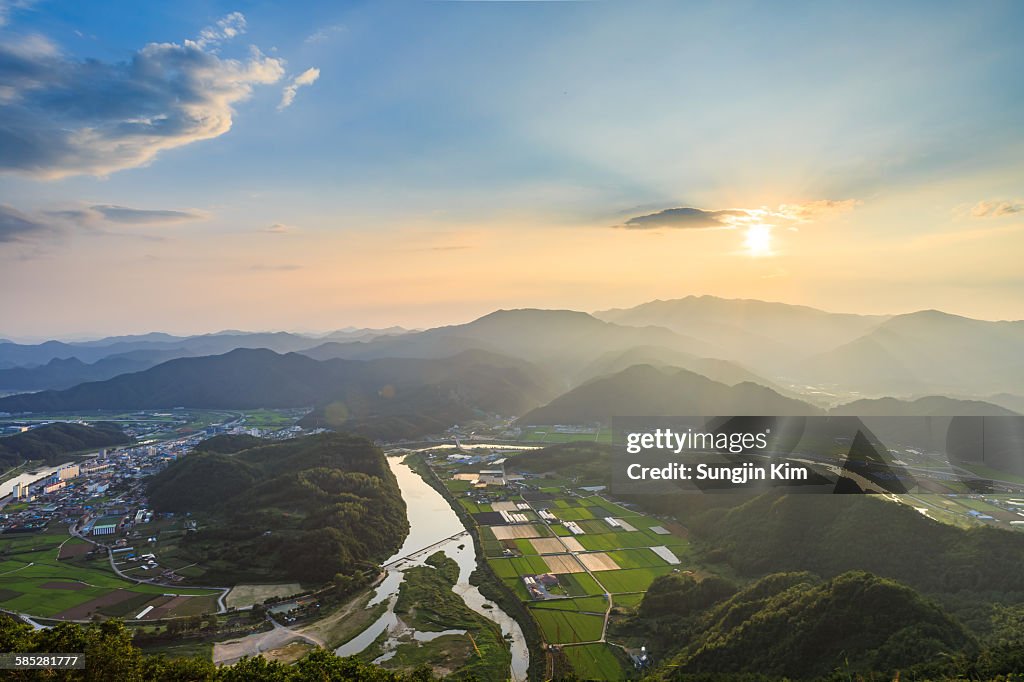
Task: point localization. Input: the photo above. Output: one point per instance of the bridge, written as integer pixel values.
(424, 550)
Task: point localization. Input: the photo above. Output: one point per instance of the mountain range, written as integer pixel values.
(690, 355)
(59, 364)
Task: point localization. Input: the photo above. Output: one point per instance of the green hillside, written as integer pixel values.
(53, 442)
(304, 509)
(229, 443)
(795, 625)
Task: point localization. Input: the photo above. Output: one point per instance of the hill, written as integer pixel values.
(762, 334)
(929, 406)
(832, 534)
(305, 509)
(35, 355)
(794, 625)
(643, 390)
(926, 352)
(52, 443)
(560, 341)
(229, 443)
(722, 371)
(405, 396)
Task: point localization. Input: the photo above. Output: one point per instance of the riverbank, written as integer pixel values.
(484, 578)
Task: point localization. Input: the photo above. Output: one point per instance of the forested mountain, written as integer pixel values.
(643, 390)
(304, 509)
(439, 391)
(53, 442)
(797, 626)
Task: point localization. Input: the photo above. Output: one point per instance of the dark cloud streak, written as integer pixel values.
(684, 217)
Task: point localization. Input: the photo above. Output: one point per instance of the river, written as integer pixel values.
(431, 521)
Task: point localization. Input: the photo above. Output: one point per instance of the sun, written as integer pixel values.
(759, 241)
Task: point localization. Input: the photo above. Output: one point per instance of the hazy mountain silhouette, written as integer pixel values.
(760, 334)
(247, 378)
(926, 352)
(643, 390)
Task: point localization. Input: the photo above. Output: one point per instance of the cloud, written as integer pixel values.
(287, 267)
(16, 226)
(110, 213)
(307, 77)
(279, 228)
(687, 217)
(8, 6)
(684, 218)
(64, 117)
(996, 209)
(323, 34)
(141, 216)
(811, 211)
(226, 28)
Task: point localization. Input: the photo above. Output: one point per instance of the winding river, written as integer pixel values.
(431, 523)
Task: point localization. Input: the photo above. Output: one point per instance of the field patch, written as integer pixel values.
(562, 563)
(595, 662)
(85, 610)
(247, 595)
(598, 561)
(579, 584)
(53, 585)
(515, 532)
(555, 545)
(9, 594)
(74, 548)
(567, 627)
(632, 580)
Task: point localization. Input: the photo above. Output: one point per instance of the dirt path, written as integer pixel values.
(252, 645)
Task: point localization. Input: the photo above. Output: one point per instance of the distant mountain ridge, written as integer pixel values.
(434, 391)
(88, 352)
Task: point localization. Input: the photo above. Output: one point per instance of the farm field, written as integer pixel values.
(49, 575)
(577, 551)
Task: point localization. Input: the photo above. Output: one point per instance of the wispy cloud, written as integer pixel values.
(996, 209)
(324, 33)
(307, 77)
(812, 211)
(8, 6)
(110, 213)
(226, 28)
(67, 117)
(280, 228)
(16, 226)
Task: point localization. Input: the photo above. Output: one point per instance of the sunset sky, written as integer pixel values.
(258, 165)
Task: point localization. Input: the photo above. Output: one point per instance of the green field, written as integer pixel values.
(596, 661)
(567, 627)
(30, 563)
(576, 619)
(547, 434)
(585, 604)
(271, 419)
(631, 580)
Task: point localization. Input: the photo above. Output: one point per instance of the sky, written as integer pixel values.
(195, 166)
